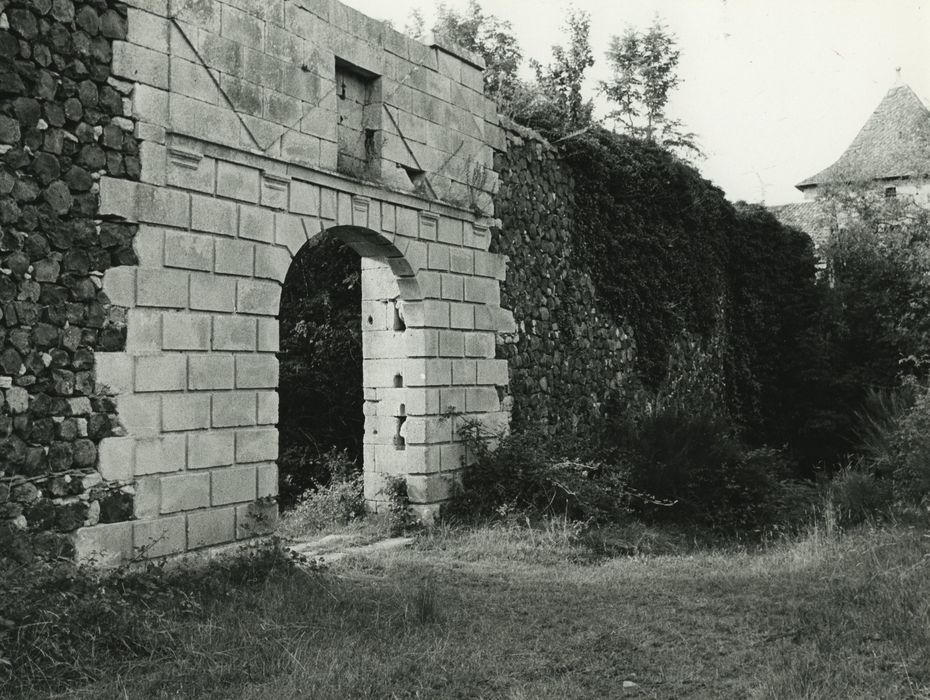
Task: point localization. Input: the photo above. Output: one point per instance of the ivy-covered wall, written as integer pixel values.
(63, 124)
(632, 277)
(569, 354)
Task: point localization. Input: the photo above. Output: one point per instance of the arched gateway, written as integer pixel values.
(265, 124)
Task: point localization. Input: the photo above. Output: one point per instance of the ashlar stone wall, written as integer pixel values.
(237, 114)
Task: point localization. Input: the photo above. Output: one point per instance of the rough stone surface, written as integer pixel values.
(565, 356)
(54, 317)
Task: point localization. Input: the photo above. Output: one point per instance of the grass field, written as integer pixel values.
(509, 611)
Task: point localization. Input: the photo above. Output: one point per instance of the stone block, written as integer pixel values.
(214, 215)
(165, 372)
(241, 27)
(452, 399)
(215, 448)
(291, 232)
(192, 79)
(146, 502)
(452, 287)
(188, 251)
(432, 488)
(304, 198)
(185, 492)
(103, 545)
(140, 65)
(149, 245)
(481, 399)
(185, 331)
(185, 412)
(114, 372)
(206, 528)
(480, 345)
(493, 372)
(461, 316)
(256, 371)
(461, 261)
(237, 181)
(115, 456)
(258, 297)
(272, 262)
(464, 371)
(159, 538)
(260, 445)
(212, 293)
(234, 409)
(482, 291)
(451, 343)
(268, 335)
(235, 257)
(159, 205)
(256, 223)
(119, 284)
(190, 171)
(140, 414)
(150, 104)
(274, 191)
(118, 198)
(256, 519)
(268, 407)
(167, 453)
(267, 477)
(438, 256)
(233, 485)
(147, 30)
(234, 333)
(211, 372)
(143, 331)
(162, 288)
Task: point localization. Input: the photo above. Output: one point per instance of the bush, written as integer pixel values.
(898, 444)
(541, 473)
(698, 463)
(337, 502)
(856, 496)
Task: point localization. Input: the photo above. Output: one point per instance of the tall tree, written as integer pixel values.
(562, 80)
(644, 67)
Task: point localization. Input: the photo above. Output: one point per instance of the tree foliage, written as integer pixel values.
(484, 34)
(644, 68)
(321, 364)
(561, 81)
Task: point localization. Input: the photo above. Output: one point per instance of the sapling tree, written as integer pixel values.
(644, 73)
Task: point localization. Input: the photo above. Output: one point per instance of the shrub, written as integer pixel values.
(856, 496)
(697, 462)
(338, 502)
(899, 447)
(539, 472)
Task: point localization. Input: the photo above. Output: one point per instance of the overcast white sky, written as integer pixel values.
(775, 89)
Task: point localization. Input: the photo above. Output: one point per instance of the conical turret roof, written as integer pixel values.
(894, 143)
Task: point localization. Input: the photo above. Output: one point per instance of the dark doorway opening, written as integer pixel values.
(321, 394)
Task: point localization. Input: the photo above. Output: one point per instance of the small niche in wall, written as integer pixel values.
(358, 121)
(398, 381)
(400, 440)
(399, 324)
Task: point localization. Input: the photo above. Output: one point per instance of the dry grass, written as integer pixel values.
(509, 611)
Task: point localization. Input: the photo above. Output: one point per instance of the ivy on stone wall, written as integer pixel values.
(621, 255)
(63, 124)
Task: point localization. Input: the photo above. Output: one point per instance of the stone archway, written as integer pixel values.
(235, 178)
